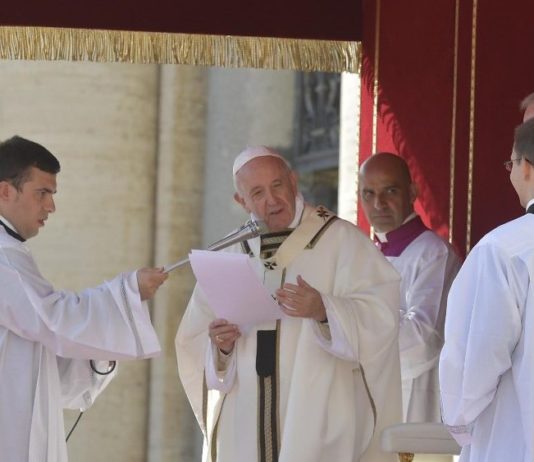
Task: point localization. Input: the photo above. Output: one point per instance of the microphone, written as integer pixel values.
(249, 230)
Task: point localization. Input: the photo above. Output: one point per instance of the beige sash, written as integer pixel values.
(314, 222)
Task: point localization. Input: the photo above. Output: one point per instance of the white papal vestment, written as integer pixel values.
(338, 384)
(46, 340)
(487, 363)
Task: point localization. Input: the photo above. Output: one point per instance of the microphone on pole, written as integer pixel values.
(249, 230)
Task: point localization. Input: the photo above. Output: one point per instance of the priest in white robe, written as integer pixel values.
(321, 383)
(427, 265)
(487, 363)
(48, 337)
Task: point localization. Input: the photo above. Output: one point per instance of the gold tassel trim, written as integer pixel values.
(53, 44)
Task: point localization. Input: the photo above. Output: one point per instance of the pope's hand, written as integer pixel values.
(301, 300)
(149, 280)
(223, 334)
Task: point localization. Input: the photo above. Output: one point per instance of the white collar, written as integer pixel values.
(299, 208)
(530, 202)
(382, 237)
(8, 224)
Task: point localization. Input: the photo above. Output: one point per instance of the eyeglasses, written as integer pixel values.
(508, 164)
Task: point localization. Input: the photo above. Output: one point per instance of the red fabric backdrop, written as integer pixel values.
(319, 19)
(416, 75)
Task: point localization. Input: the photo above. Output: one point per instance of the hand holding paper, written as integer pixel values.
(233, 289)
(223, 334)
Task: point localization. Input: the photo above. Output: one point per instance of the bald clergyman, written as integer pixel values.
(321, 383)
(427, 265)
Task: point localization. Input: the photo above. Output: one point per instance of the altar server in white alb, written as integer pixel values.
(427, 265)
(487, 363)
(321, 383)
(47, 336)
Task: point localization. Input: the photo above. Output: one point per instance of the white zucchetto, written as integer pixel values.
(252, 153)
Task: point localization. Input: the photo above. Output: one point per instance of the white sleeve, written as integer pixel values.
(481, 331)
(220, 369)
(192, 353)
(80, 385)
(106, 322)
(362, 311)
(421, 325)
(331, 336)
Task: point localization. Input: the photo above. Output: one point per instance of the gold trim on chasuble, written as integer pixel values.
(269, 375)
(268, 370)
(270, 243)
(52, 44)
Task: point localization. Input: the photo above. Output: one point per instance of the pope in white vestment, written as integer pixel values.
(47, 337)
(487, 363)
(325, 389)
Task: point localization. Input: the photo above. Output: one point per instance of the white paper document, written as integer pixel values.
(232, 288)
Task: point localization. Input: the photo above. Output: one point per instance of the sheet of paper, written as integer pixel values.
(232, 288)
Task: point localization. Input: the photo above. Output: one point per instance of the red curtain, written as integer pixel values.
(434, 108)
(319, 19)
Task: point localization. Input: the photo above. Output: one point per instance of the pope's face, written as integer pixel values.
(28, 209)
(387, 199)
(267, 189)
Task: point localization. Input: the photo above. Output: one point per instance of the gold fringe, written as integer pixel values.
(51, 44)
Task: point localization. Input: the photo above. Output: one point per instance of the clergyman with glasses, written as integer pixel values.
(486, 365)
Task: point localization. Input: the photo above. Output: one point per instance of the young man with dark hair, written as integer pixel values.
(53, 344)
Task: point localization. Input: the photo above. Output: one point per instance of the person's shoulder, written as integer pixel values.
(7, 241)
(512, 237)
(430, 243)
(332, 222)
(12, 251)
(342, 226)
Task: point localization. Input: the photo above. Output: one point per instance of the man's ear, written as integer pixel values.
(241, 201)
(527, 169)
(4, 190)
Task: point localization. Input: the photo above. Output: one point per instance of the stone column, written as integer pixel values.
(100, 121)
(349, 147)
(246, 107)
(173, 431)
